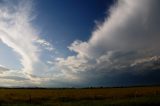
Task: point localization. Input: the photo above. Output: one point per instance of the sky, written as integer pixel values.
(79, 43)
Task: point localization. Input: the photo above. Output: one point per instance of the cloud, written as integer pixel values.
(16, 78)
(18, 33)
(130, 26)
(45, 44)
(126, 42)
(3, 69)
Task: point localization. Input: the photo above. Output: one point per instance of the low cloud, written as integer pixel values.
(3, 69)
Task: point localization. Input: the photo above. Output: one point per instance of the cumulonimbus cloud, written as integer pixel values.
(129, 34)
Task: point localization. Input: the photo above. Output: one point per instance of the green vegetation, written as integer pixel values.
(81, 97)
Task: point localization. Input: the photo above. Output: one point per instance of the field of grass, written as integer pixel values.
(132, 96)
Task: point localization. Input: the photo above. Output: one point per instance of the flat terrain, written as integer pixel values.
(132, 96)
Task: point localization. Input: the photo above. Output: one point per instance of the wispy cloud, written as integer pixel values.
(45, 44)
(18, 33)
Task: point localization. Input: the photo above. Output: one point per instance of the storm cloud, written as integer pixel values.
(125, 44)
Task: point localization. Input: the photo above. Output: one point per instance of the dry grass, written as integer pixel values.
(50, 96)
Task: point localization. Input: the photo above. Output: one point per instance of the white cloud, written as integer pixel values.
(45, 44)
(18, 33)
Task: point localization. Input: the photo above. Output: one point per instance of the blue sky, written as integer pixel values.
(64, 21)
(79, 43)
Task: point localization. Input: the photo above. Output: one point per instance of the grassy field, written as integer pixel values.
(133, 96)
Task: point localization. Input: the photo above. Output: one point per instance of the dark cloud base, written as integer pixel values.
(123, 80)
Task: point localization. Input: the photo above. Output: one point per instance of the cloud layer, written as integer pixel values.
(3, 69)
